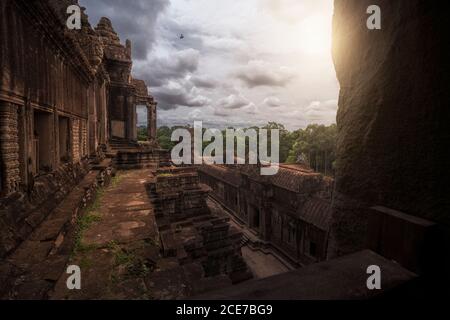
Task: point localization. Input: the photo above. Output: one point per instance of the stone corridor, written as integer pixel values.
(117, 245)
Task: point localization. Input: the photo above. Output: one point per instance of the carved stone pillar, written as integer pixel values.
(151, 122)
(131, 129)
(9, 148)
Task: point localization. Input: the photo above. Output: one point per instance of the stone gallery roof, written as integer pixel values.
(296, 179)
(317, 212)
(223, 173)
(293, 177)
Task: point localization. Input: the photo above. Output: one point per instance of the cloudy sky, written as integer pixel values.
(241, 63)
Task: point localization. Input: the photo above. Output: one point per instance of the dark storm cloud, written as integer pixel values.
(159, 70)
(177, 95)
(262, 79)
(132, 19)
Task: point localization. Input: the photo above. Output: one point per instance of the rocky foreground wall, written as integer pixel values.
(393, 118)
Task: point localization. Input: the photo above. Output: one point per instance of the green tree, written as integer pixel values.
(164, 135)
(315, 145)
(142, 134)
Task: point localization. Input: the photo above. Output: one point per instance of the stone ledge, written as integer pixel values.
(339, 279)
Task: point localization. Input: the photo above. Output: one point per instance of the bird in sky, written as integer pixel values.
(182, 36)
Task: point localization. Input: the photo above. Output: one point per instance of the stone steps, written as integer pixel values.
(244, 241)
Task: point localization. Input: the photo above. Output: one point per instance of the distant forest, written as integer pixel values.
(314, 145)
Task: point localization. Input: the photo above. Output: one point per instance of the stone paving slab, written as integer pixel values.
(121, 247)
(38, 262)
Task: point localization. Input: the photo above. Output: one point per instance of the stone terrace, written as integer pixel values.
(120, 249)
(120, 246)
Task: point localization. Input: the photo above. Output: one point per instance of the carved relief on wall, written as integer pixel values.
(9, 147)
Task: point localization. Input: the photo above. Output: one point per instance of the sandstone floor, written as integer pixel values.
(117, 246)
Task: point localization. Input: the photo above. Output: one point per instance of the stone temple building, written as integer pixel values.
(64, 96)
(289, 212)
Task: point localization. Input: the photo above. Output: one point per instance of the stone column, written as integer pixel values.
(134, 123)
(130, 124)
(9, 148)
(151, 122)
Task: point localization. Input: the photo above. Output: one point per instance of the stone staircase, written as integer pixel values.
(245, 240)
(133, 159)
(189, 231)
(129, 155)
(123, 145)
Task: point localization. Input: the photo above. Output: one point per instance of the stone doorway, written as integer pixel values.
(42, 142)
(64, 139)
(142, 122)
(255, 218)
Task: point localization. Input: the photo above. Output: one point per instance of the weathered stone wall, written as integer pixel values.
(44, 72)
(393, 115)
(53, 79)
(38, 62)
(20, 213)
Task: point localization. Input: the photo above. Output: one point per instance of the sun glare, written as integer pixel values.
(315, 35)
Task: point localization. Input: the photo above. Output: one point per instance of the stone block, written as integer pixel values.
(401, 237)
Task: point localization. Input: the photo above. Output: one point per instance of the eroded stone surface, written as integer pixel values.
(392, 117)
(32, 270)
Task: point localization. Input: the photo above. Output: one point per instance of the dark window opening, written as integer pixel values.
(291, 234)
(64, 140)
(255, 218)
(312, 249)
(42, 142)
